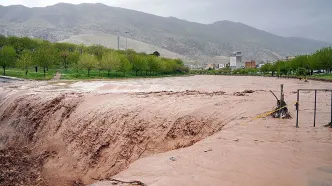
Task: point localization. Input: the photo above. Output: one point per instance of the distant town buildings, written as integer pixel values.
(210, 66)
(288, 58)
(234, 61)
(260, 65)
(195, 66)
(220, 66)
(250, 64)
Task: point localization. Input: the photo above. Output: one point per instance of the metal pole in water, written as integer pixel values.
(297, 108)
(282, 93)
(281, 99)
(315, 108)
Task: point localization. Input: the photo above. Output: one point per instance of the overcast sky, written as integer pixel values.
(299, 18)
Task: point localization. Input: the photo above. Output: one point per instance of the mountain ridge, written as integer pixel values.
(195, 41)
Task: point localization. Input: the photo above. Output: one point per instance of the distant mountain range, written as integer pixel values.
(101, 24)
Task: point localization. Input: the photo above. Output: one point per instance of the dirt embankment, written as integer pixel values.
(74, 138)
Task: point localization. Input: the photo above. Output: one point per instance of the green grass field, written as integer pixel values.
(94, 74)
(19, 73)
(323, 76)
(72, 74)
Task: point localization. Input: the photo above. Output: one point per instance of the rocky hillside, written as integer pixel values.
(182, 38)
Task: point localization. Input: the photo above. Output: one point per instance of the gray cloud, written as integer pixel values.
(299, 18)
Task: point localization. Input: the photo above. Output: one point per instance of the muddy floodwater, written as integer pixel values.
(195, 130)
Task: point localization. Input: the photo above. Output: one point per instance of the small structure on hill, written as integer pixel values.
(156, 53)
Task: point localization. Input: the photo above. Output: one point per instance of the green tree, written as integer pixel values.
(73, 58)
(125, 65)
(96, 50)
(25, 61)
(140, 63)
(301, 72)
(324, 57)
(20, 44)
(170, 65)
(99, 65)
(61, 47)
(273, 69)
(7, 57)
(265, 68)
(3, 40)
(81, 48)
(131, 55)
(252, 70)
(45, 57)
(154, 64)
(64, 55)
(281, 67)
(156, 53)
(111, 61)
(88, 61)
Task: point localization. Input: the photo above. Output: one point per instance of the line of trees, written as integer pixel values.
(26, 53)
(302, 65)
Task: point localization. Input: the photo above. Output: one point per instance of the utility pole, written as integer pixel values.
(127, 39)
(118, 42)
(127, 42)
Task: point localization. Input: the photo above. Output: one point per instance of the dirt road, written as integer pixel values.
(80, 132)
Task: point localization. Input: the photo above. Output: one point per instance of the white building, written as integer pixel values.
(233, 62)
(260, 65)
(220, 66)
(236, 60)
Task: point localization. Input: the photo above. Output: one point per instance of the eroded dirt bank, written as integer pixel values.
(96, 136)
(74, 134)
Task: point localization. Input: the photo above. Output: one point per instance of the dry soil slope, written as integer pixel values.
(111, 41)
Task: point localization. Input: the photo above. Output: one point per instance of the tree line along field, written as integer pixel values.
(41, 59)
(316, 65)
(303, 65)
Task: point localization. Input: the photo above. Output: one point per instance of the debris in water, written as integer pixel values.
(116, 182)
(281, 111)
(209, 150)
(248, 91)
(239, 94)
(243, 93)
